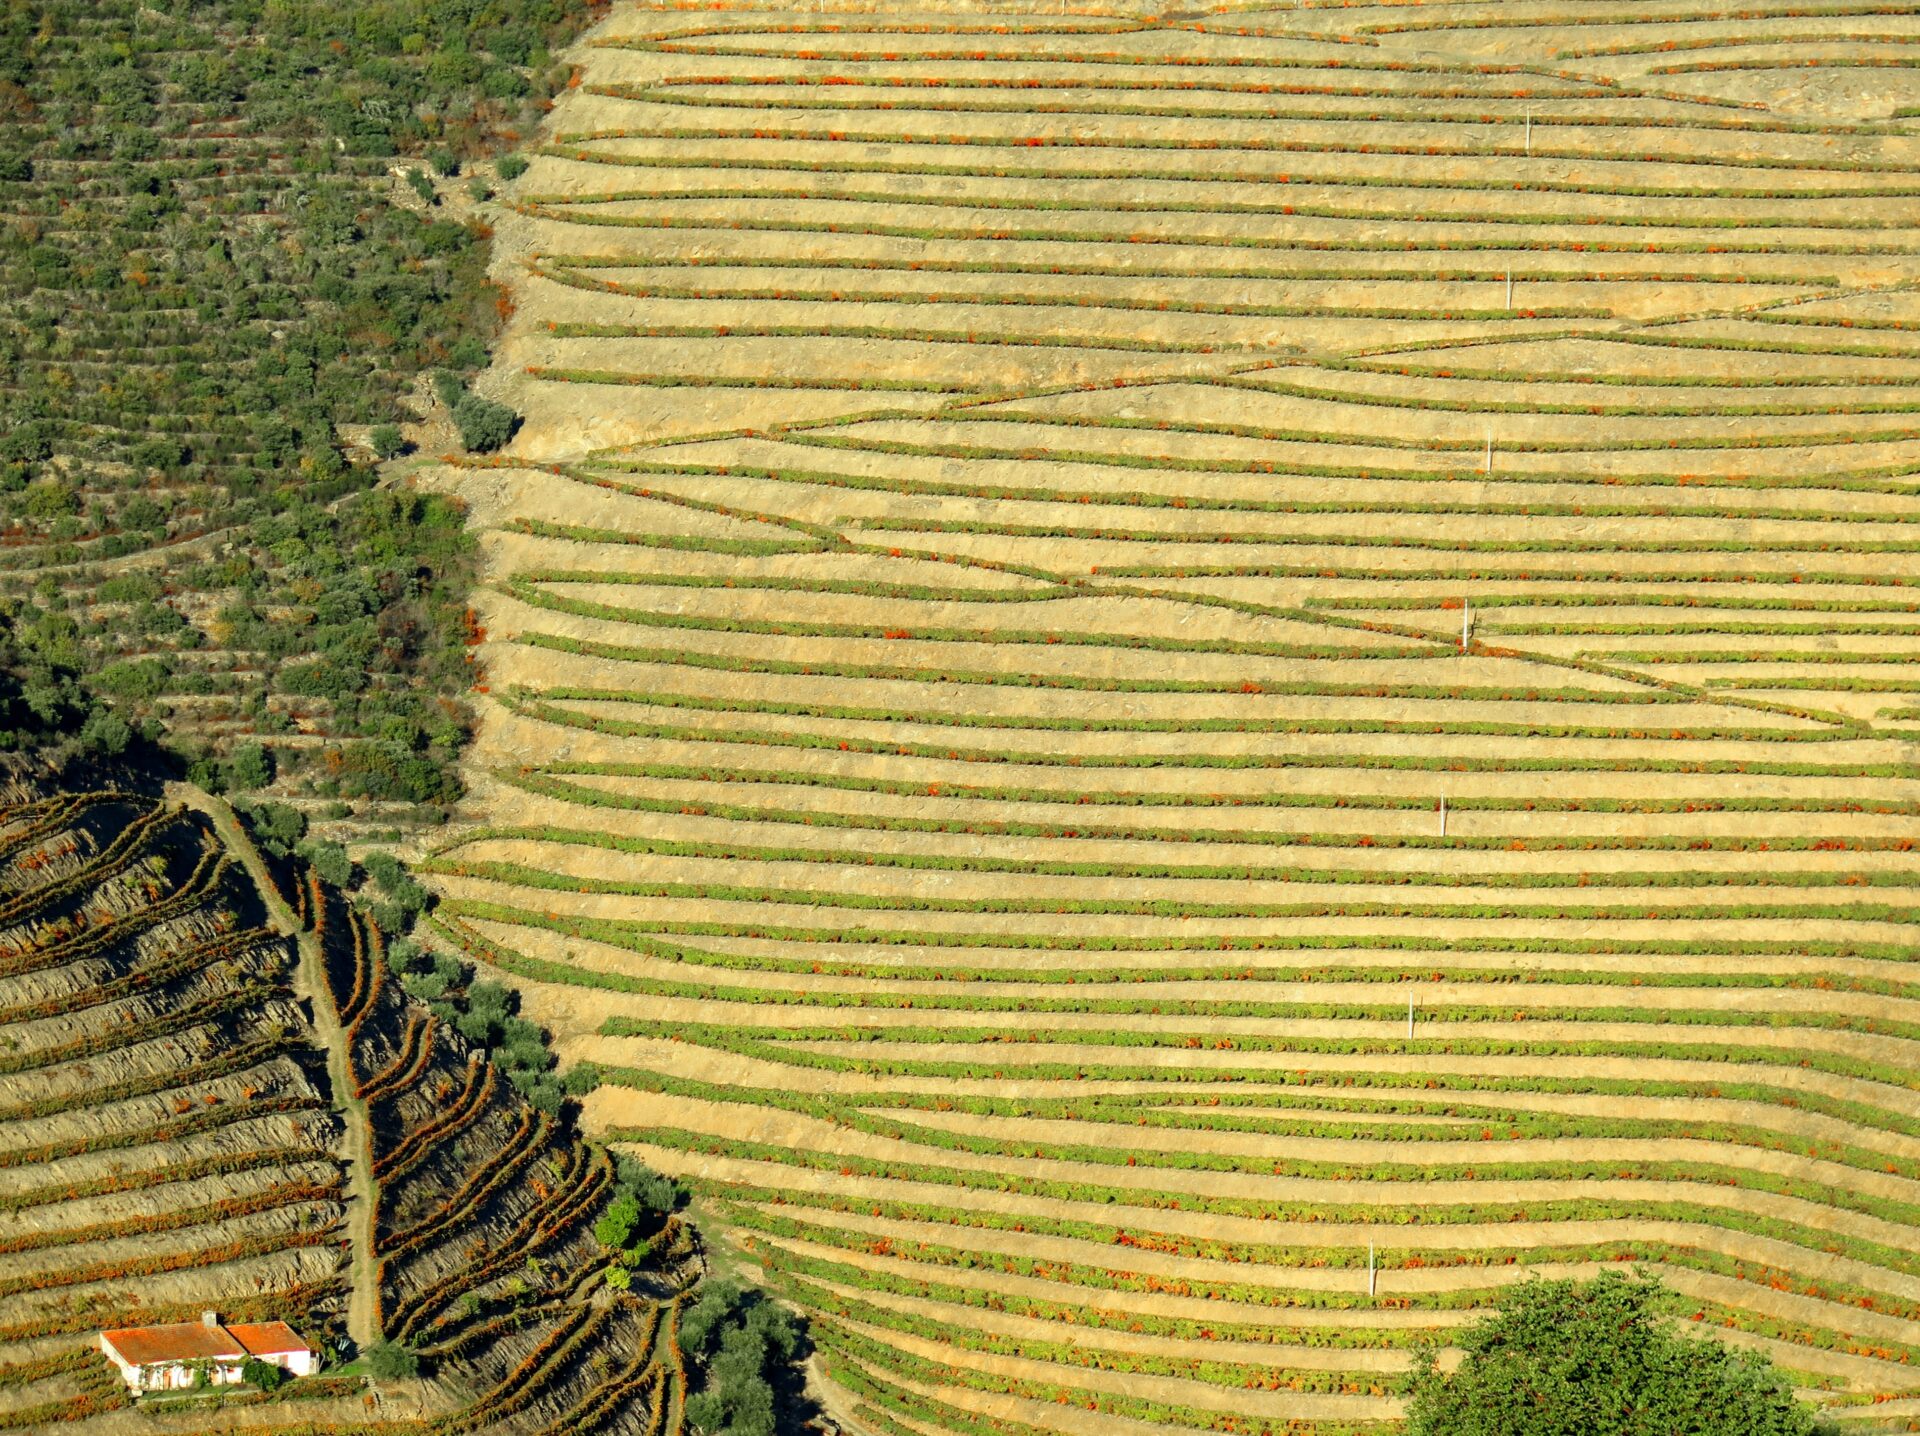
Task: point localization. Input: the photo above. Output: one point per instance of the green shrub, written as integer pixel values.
(475, 1027)
(744, 1346)
(525, 1056)
(1565, 1358)
(467, 354)
(330, 860)
(543, 1093)
(502, 83)
(656, 1194)
(390, 916)
(510, 167)
(251, 766)
(484, 425)
(386, 441)
(426, 986)
(384, 869)
(494, 999)
(615, 1229)
(404, 954)
(105, 733)
(390, 1361)
(276, 827)
(409, 898)
(138, 679)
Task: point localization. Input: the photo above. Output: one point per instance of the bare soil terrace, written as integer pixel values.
(1025, 521)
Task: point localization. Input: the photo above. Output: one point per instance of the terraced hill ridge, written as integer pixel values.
(169, 1144)
(1172, 691)
(175, 1138)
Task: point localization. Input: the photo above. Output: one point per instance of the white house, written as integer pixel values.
(166, 1358)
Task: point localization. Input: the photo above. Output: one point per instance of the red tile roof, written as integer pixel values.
(267, 1338)
(181, 1341)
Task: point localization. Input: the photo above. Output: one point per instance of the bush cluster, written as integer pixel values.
(484, 425)
(196, 201)
(1566, 1358)
(745, 1349)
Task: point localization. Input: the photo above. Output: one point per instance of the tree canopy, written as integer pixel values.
(1597, 1358)
(391, 1361)
(42, 701)
(745, 1346)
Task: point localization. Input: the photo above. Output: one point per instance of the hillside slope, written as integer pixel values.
(169, 1144)
(173, 1141)
(219, 303)
(1174, 691)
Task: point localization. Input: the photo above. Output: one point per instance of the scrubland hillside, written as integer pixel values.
(234, 240)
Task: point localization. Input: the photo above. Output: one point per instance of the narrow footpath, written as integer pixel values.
(310, 985)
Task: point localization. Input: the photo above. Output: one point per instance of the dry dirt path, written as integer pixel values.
(309, 982)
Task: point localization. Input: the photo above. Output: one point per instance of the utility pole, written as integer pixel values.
(1443, 815)
(1529, 131)
(1373, 1275)
(1489, 460)
(1466, 624)
(1409, 1017)
(1509, 289)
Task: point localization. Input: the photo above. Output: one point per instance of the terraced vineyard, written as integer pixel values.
(174, 1139)
(167, 1144)
(1172, 692)
(482, 1233)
